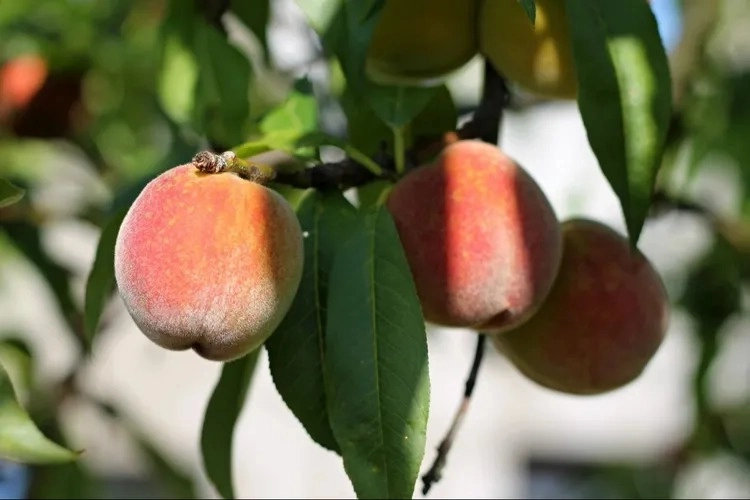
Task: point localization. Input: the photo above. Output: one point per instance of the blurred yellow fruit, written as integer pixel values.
(539, 57)
(418, 41)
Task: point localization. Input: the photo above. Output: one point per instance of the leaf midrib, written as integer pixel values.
(373, 316)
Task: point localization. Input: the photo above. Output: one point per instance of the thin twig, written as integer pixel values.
(339, 175)
(484, 125)
(436, 471)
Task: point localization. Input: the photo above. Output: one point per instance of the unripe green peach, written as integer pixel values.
(481, 238)
(539, 57)
(208, 261)
(602, 323)
(417, 41)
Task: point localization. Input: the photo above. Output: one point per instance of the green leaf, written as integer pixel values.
(20, 439)
(219, 420)
(376, 364)
(293, 196)
(438, 116)
(178, 77)
(373, 194)
(101, 281)
(9, 194)
(367, 131)
(223, 85)
(283, 126)
(178, 73)
(397, 106)
(297, 347)
(529, 6)
(255, 14)
(713, 290)
(294, 118)
(347, 35)
(624, 96)
(15, 356)
(66, 480)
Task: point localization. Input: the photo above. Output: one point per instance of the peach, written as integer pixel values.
(422, 41)
(603, 321)
(20, 79)
(481, 238)
(208, 261)
(538, 57)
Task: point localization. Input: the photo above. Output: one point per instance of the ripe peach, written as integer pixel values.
(20, 79)
(418, 41)
(481, 238)
(208, 261)
(602, 323)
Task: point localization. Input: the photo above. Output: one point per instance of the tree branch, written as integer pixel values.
(434, 474)
(339, 175)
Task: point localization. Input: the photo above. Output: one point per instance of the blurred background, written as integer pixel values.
(83, 129)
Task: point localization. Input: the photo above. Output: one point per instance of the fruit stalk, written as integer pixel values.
(484, 125)
(435, 473)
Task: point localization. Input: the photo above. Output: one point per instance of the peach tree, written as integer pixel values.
(267, 229)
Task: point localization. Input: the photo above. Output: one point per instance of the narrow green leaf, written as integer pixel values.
(373, 194)
(223, 410)
(347, 35)
(252, 148)
(397, 106)
(296, 349)
(178, 73)
(374, 9)
(295, 117)
(9, 194)
(178, 77)
(529, 6)
(283, 126)
(293, 196)
(20, 438)
(15, 356)
(438, 116)
(66, 480)
(624, 96)
(223, 84)
(367, 131)
(255, 14)
(101, 281)
(376, 364)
